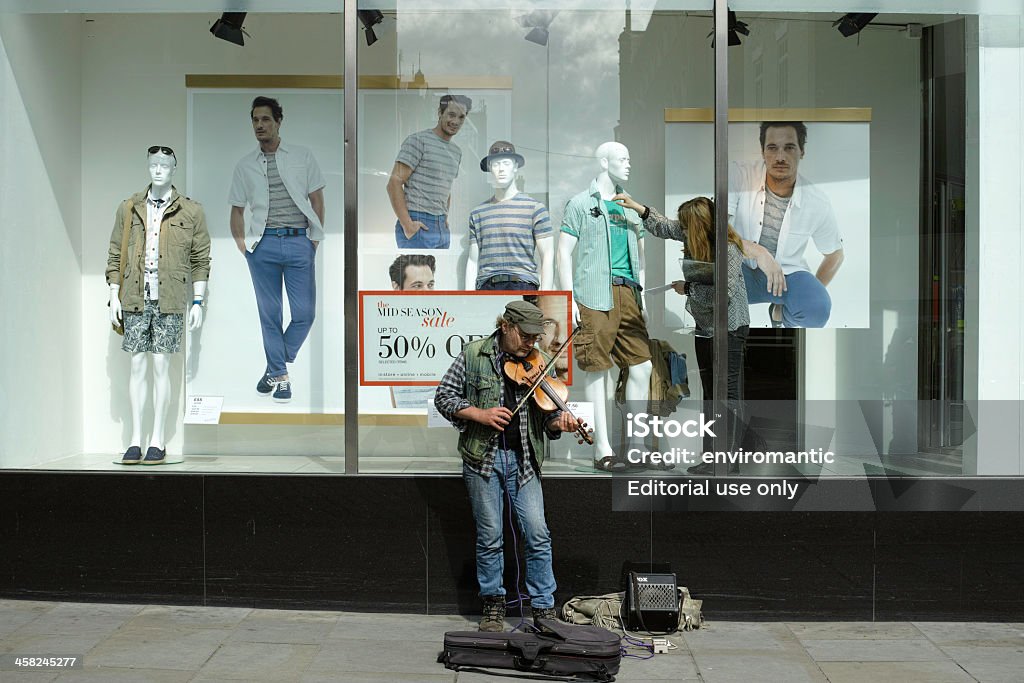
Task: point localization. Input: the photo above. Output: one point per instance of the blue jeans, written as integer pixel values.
(487, 497)
(437, 236)
(291, 260)
(805, 303)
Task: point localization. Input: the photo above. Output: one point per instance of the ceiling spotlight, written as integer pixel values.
(853, 23)
(736, 27)
(538, 35)
(369, 19)
(229, 27)
(538, 23)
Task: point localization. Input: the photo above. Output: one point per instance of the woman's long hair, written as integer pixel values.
(697, 217)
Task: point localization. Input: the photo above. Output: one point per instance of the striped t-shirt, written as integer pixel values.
(771, 225)
(283, 212)
(506, 233)
(434, 164)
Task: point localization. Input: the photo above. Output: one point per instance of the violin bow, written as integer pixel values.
(541, 376)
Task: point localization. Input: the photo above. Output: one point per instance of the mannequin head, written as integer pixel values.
(503, 172)
(501, 164)
(162, 164)
(614, 160)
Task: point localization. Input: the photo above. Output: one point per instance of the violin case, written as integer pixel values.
(565, 652)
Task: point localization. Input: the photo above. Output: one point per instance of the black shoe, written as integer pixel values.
(155, 456)
(283, 393)
(705, 469)
(494, 614)
(132, 456)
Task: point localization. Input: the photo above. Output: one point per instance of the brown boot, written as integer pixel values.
(543, 613)
(494, 613)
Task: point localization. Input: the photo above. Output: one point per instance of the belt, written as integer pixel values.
(506, 278)
(618, 280)
(284, 232)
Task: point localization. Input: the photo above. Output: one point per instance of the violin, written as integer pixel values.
(549, 393)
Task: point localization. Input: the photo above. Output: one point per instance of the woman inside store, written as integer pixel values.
(695, 228)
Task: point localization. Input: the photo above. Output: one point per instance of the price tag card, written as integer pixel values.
(584, 410)
(434, 418)
(203, 410)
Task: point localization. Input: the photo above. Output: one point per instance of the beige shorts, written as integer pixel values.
(615, 337)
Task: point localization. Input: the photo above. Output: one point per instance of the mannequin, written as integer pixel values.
(153, 326)
(607, 300)
(510, 237)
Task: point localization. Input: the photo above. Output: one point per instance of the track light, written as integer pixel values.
(369, 19)
(229, 27)
(736, 27)
(538, 35)
(853, 23)
(538, 23)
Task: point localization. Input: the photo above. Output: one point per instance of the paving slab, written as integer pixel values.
(398, 627)
(282, 626)
(731, 636)
(846, 630)
(375, 657)
(72, 618)
(674, 666)
(190, 616)
(182, 649)
(53, 645)
(904, 672)
(258, 661)
(29, 677)
(18, 613)
(739, 666)
(351, 677)
(973, 634)
(990, 664)
(920, 650)
(110, 675)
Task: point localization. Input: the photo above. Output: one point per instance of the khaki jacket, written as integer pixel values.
(184, 252)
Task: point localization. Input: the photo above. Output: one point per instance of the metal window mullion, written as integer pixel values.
(720, 341)
(350, 280)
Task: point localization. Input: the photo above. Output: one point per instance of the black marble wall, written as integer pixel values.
(405, 544)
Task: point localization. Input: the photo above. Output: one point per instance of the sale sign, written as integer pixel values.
(412, 337)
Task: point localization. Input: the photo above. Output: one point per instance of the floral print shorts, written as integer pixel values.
(152, 330)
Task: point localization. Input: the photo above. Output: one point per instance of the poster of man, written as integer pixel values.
(799, 197)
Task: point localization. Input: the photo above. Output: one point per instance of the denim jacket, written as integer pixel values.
(483, 390)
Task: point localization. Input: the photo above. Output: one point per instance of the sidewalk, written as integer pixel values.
(172, 644)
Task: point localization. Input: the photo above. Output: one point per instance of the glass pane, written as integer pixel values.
(543, 87)
(858, 148)
(88, 90)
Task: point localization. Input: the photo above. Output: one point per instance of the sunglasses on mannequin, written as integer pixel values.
(162, 150)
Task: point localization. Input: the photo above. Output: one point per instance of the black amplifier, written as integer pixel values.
(652, 602)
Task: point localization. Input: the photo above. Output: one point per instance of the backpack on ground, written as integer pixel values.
(606, 610)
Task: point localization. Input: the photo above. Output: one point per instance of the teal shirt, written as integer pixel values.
(620, 240)
(585, 219)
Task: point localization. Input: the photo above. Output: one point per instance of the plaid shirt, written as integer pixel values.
(450, 398)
